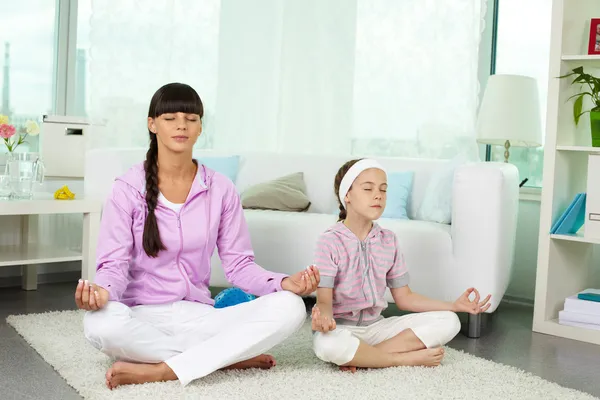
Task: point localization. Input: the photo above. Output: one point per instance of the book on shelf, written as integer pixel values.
(577, 305)
(572, 219)
(580, 318)
(591, 295)
(581, 313)
(580, 325)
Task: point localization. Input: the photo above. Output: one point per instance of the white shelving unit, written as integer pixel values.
(30, 254)
(581, 58)
(565, 262)
(585, 149)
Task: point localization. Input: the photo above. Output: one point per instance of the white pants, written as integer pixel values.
(194, 339)
(339, 346)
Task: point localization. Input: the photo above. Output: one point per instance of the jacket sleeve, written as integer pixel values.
(235, 250)
(115, 243)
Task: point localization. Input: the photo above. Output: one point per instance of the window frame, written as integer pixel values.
(65, 56)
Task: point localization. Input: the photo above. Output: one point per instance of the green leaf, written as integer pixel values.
(577, 106)
(585, 112)
(580, 94)
(567, 75)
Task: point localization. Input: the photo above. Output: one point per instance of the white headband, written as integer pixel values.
(353, 173)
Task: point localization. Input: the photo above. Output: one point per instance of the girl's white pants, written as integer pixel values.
(194, 339)
(434, 329)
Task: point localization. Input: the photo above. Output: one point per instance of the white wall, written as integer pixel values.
(522, 285)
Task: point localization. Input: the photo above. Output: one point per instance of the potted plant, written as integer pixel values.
(8, 131)
(594, 92)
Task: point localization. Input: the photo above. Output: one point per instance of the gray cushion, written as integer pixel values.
(287, 193)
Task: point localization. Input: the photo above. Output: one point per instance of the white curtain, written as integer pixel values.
(363, 77)
(416, 87)
(286, 71)
(136, 47)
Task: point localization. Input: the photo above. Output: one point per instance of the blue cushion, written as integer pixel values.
(398, 193)
(227, 165)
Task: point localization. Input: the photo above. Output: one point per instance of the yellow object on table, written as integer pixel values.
(64, 194)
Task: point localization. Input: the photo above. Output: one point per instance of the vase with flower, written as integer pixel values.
(22, 169)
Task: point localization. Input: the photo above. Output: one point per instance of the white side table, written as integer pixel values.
(29, 255)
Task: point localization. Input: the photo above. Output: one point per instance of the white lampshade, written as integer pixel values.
(510, 111)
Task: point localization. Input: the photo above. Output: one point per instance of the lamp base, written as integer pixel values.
(506, 152)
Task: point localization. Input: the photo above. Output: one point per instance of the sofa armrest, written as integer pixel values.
(485, 203)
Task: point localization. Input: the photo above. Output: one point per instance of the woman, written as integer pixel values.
(150, 306)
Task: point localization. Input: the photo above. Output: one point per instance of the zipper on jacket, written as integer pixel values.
(178, 258)
(366, 258)
(185, 277)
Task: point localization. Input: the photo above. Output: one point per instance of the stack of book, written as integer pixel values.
(582, 310)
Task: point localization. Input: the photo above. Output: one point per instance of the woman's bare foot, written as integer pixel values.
(264, 361)
(124, 373)
(425, 357)
(347, 369)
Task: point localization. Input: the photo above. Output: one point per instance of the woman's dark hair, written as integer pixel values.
(171, 98)
(338, 181)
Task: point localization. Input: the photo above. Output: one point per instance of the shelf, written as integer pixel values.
(552, 327)
(583, 149)
(35, 254)
(578, 237)
(581, 58)
(44, 203)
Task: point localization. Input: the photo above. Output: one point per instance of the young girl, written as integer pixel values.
(357, 259)
(150, 306)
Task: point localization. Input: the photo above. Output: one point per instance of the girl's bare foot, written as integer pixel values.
(264, 361)
(124, 373)
(425, 357)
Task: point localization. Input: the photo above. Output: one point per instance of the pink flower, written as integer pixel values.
(7, 131)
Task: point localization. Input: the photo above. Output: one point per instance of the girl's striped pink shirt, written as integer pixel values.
(359, 271)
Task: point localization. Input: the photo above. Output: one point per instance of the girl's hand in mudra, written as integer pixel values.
(320, 322)
(463, 304)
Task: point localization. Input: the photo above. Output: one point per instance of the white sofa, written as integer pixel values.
(476, 249)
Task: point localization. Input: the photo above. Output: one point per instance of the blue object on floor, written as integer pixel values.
(232, 296)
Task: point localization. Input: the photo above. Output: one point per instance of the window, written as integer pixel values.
(27, 41)
(523, 47)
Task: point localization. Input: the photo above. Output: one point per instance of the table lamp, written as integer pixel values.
(509, 114)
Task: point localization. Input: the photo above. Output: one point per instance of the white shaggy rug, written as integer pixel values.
(58, 338)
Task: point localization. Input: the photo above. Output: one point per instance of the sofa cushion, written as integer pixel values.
(398, 193)
(287, 193)
(227, 165)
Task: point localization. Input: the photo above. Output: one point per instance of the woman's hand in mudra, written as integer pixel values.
(302, 283)
(89, 296)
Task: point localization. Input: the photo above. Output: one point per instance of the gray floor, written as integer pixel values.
(507, 339)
